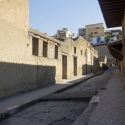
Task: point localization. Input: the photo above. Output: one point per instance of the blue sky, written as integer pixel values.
(48, 16)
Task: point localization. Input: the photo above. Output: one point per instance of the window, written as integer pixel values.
(96, 32)
(111, 39)
(35, 46)
(89, 29)
(56, 52)
(74, 50)
(83, 29)
(89, 35)
(81, 52)
(45, 47)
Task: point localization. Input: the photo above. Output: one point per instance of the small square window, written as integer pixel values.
(96, 32)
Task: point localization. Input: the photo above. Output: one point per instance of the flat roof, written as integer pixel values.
(113, 12)
(95, 24)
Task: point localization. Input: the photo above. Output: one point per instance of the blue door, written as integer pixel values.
(98, 39)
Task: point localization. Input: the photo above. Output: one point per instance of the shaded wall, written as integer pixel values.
(102, 51)
(20, 71)
(18, 78)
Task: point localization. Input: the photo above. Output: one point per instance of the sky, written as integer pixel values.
(47, 16)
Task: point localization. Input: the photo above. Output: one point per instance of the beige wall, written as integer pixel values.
(102, 51)
(20, 70)
(48, 61)
(92, 29)
(15, 12)
(67, 47)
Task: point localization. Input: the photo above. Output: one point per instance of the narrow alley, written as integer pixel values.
(62, 62)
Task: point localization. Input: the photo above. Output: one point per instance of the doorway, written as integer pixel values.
(64, 67)
(75, 66)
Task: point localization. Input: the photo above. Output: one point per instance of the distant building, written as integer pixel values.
(102, 51)
(64, 33)
(113, 35)
(94, 31)
(82, 32)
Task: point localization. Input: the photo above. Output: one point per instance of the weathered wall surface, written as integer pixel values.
(102, 51)
(20, 71)
(51, 68)
(15, 12)
(14, 73)
(82, 49)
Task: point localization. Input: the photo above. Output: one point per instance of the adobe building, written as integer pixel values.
(77, 57)
(30, 59)
(114, 15)
(21, 57)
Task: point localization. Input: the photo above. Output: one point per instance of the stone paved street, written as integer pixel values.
(59, 112)
(94, 84)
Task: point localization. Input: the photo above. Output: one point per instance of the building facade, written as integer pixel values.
(23, 65)
(64, 33)
(77, 57)
(94, 30)
(30, 59)
(103, 51)
(82, 32)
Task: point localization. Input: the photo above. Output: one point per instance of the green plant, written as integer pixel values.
(107, 38)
